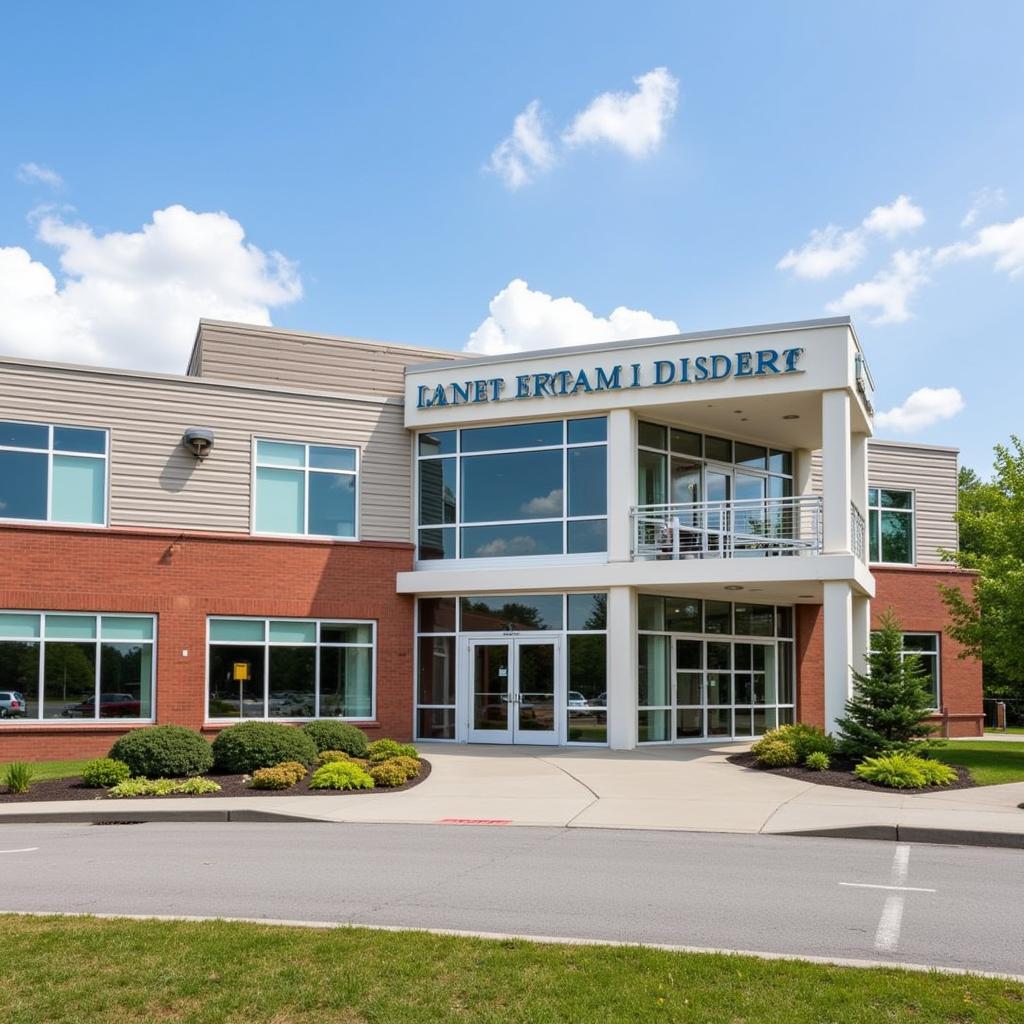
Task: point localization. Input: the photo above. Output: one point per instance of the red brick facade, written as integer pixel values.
(184, 577)
(913, 594)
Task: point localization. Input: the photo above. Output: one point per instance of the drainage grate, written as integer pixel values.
(118, 821)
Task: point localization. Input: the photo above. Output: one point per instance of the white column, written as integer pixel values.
(861, 632)
(803, 485)
(859, 472)
(838, 610)
(621, 483)
(621, 668)
(836, 485)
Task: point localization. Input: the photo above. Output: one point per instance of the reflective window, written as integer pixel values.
(891, 526)
(925, 648)
(305, 489)
(501, 613)
(53, 473)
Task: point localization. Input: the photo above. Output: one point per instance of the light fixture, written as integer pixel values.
(198, 440)
(791, 416)
(733, 586)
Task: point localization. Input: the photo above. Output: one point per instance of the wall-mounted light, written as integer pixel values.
(198, 440)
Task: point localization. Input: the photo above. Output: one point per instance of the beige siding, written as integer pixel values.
(931, 473)
(268, 355)
(154, 482)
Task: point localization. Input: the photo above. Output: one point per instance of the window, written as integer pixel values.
(53, 474)
(305, 489)
(514, 490)
(291, 668)
(71, 667)
(924, 646)
(891, 525)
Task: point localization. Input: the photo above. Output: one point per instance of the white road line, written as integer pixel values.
(900, 864)
(900, 888)
(25, 849)
(887, 936)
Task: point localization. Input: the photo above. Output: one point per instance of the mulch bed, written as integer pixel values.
(230, 785)
(841, 775)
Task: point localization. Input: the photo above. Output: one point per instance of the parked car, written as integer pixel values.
(12, 704)
(577, 700)
(112, 705)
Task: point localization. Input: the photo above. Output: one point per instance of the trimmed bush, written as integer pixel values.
(295, 768)
(804, 739)
(272, 778)
(18, 777)
(245, 747)
(341, 775)
(388, 774)
(774, 753)
(937, 773)
(196, 787)
(328, 734)
(163, 787)
(818, 761)
(163, 751)
(327, 756)
(895, 770)
(410, 765)
(104, 772)
(384, 750)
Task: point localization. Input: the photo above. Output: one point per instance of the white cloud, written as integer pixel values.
(1004, 242)
(889, 291)
(33, 174)
(132, 299)
(634, 122)
(526, 152)
(982, 200)
(892, 220)
(923, 408)
(522, 319)
(549, 504)
(828, 251)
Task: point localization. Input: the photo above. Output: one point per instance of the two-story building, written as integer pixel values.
(648, 542)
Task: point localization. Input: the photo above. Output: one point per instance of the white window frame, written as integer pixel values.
(50, 452)
(905, 653)
(316, 646)
(880, 509)
(305, 470)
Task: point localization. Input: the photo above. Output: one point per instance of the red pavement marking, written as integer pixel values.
(475, 821)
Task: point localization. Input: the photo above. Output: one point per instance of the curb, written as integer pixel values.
(123, 815)
(915, 834)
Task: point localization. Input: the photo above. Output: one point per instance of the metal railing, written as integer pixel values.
(858, 533)
(728, 529)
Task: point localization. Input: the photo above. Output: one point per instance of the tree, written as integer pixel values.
(990, 622)
(890, 703)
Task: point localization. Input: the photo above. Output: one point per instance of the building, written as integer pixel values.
(652, 541)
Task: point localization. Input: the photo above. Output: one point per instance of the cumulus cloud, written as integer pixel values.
(982, 200)
(36, 174)
(132, 299)
(522, 319)
(899, 216)
(924, 408)
(889, 292)
(1003, 242)
(549, 504)
(527, 152)
(632, 121)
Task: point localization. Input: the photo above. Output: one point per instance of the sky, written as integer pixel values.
(497, 178)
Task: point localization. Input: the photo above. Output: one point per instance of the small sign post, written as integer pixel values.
(240, 673)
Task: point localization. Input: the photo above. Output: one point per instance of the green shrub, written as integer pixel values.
(196, 787)
(328, 734)
(937, 773)
(327, 756)
(817, 761)
(105, 771)
(388, 774)
(897, 770)
(163, 787)
(410, 765)
(163, 751)
(272, 778)
(774, 753)
(18, 777)
(804, 739)
(247, 746)
(295, 768)
(383, 750)
(341, 775)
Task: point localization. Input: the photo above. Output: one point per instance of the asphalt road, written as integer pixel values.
(937, 905)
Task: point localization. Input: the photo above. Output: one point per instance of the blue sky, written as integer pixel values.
(354, 140)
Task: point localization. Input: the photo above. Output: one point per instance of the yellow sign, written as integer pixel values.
(240, 671)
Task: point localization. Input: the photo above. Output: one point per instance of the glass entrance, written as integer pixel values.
(514, 687)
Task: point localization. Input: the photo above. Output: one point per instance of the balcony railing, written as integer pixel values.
(857, 532)
(728, 529)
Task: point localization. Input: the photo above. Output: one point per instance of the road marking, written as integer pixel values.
(887, 937)
(24, 849)
(901, 888)
(474, 821)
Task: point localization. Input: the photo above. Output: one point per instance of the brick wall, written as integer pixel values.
(810, 664)
(182, 578)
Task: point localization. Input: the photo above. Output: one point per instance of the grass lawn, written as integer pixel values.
(59, 971)
(999, 732)
(45, 770)
(989, 763)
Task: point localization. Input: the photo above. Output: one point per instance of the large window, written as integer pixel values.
(712, 669)
(305, 489)
(291, 668)
(582, 618)
(521, 489)
(924, 647)
(53, 474)
(891, 525)
(59, 666)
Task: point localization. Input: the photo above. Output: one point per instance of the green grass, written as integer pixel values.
(989, 763)
(64, 971)
(45, 770)
(999, 732)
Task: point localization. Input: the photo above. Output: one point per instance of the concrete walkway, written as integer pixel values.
(676, 788)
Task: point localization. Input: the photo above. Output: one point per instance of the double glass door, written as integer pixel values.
(514, 690)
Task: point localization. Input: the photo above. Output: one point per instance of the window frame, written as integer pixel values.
(937, 655)
(881, 510)
(98, 640)
(266, 643)
(306, 470)
(50, 452)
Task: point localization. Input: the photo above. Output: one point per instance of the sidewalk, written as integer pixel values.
(685, 789)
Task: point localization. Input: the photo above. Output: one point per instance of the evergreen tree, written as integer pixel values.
(890, 702)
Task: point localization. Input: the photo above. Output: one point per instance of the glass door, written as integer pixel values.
(718, 486)
(535, 718)
(490, 691)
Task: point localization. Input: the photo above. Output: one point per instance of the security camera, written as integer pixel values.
(198, 440)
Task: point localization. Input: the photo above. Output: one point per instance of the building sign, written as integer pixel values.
(765, 362)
